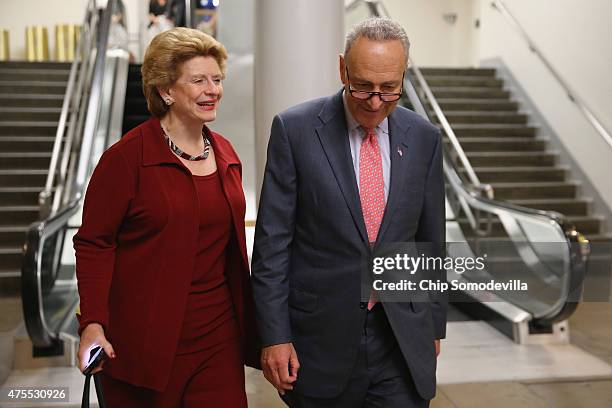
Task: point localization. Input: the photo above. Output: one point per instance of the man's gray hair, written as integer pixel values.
(377, 29)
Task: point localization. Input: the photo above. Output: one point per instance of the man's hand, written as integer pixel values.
(280, 366)
(93, 335)
(437, 344)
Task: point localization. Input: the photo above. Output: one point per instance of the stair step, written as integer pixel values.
(458, 71)
(587, 224)
(533, 190)
(571, 206)
(33, 128)
(45, 114)
(463, 81)
(10, 260)
(584, 225)
(507, 144)
(32, 87)
(35, 65)
(31, 100)
(12, 235)
(472, 104)
(516, 174)
(10, 283)
(34, 160)
(23, 178)
(13, 74)
(26, 144)
(489, 159)
(467, 92)
(475, 117)
(19, 195)
(23, 214)
(492, 130)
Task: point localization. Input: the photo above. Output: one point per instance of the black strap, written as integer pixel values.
(99, 391)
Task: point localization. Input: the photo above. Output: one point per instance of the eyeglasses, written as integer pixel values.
(365, 95)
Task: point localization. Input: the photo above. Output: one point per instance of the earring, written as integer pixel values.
(168, 101)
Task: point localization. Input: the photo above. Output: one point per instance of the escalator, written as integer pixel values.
(88, 123)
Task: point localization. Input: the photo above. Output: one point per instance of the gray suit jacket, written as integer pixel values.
(310, 241)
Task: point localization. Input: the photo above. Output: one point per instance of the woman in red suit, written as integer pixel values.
(161, 255)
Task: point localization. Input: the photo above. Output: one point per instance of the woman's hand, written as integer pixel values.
(92, 336)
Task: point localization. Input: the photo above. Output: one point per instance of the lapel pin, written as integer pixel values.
(399, 151)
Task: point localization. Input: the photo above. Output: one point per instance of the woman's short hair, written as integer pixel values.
(164, 56)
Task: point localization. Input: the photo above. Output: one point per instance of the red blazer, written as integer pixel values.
(135, 252)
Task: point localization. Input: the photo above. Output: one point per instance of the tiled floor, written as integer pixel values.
(478, 368)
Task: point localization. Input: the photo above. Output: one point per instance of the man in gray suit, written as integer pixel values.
(346, 174)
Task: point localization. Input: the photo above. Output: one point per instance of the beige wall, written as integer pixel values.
(575, 37)
(15, 15)
(435, 41)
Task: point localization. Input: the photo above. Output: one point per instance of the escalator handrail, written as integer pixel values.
(31, 277)
(593, 120)
(31, 273)
(577, 246)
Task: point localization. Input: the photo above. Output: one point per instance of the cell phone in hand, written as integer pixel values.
(96, 356)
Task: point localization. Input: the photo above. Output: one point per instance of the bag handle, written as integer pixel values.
(99, 391)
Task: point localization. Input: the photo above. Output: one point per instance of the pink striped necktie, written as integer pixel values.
(371, 189)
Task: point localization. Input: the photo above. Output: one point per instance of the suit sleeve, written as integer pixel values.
(273, 238)
(432, 229)
(109, 193)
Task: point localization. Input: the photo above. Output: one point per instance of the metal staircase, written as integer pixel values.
(506, 150)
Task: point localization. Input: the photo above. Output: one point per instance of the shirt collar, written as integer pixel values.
(352, 124)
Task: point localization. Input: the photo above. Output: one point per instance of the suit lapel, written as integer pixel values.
(333, 135)
(398, 142)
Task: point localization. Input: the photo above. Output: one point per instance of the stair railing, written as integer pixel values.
(71, 116)
(500, 6)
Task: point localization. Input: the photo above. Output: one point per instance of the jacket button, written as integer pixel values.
(363, 305)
